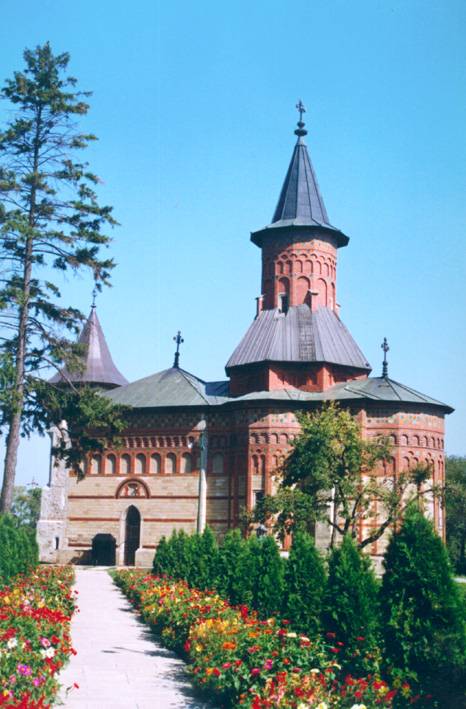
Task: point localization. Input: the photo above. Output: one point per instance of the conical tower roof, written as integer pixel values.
(99, 367)
(300, 204)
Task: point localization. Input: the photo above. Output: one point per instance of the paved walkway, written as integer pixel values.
(119, 664)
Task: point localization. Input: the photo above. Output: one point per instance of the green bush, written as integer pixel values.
(173, 556)
(229, 560)
(350, 608)
(18, 549)
(423, 618)
(304, 585)
(269, 578)
(203, 560)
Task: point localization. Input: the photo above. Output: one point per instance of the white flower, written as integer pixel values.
(50, 652)
(12, 642)
(359, 706)
(322, 705)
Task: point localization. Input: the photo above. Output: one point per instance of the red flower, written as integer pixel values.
(335, 650)
(255, 671)
(360, 638)
(216, 672)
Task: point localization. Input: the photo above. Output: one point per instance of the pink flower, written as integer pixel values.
(45, 642)
(255, 671)
(268, 664)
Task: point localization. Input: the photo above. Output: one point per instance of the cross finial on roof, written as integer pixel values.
(300, 130)
(385, 348)
(179, 340)
(94, 296)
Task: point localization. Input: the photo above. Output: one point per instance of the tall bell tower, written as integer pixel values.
(297, 339)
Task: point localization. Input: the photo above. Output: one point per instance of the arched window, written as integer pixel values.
(140, 464)
(186, 463)
(170, 464)
(404, 440)
(217, 463)
(95, 464)
(125, 464)
(110, 464)
(155, 464)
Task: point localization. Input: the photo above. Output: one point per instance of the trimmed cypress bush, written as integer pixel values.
(269, 578)
(423, 619)
(304, 585)
(160, 565)
(18, 549)
(350, 607)
(229, 579)
(203, 557)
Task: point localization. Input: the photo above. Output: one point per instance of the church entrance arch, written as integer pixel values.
(103, 550)
(132, 534)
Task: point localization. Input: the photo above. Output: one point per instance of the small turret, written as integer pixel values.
(99, 368)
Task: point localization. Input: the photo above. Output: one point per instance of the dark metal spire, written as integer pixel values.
(94, 296)
(300, 199)
(385, 348)
(98, 365)
(179, 340)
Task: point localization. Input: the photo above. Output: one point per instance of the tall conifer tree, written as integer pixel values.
(50, 220)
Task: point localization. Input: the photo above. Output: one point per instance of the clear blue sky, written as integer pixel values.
(194, 107)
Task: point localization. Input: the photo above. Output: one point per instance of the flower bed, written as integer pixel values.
(241, 660)
(35, 642)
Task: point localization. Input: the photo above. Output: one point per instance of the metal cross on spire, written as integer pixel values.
(385, 348)
(301, 108)
(94, 296)
(300, 130)
(179, 340)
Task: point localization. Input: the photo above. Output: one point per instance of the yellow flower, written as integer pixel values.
(292, 635)
(322, 705)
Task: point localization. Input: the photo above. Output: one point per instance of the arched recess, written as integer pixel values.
(155, 464)
(217, 463)
(303, 286)
(132, 534)
(125, 464)
(322, 293)
(186, 463)
(96, 464)
(140, 464)
(170, 464)
(110, 464)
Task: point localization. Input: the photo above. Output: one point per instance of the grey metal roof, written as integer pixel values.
(300, 203)
(171, 387)
(377, 389)
(99, 366)
(299, 336)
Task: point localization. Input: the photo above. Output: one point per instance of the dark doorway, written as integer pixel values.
(132, 535)
(103, 550)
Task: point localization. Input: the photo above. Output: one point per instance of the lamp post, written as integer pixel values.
(202, 504)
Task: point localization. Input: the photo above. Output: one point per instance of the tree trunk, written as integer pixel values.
(12, 441)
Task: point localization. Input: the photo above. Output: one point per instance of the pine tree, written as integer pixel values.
(50, 221)
(304, 585)
(161, 558)
(423, 620)
(350, 608)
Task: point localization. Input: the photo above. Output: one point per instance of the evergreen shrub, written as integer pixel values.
(203, 560)
(269, 578)
(350, 608)
(18, 549)
(423, 618)
(229, 559)
(305, 580)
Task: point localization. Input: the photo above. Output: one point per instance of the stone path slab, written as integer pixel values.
(119, 664)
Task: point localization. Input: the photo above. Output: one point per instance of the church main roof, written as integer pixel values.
(171, 387)
(300, 335)
(99, 367)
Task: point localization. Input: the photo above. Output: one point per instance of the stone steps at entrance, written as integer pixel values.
(119, 664)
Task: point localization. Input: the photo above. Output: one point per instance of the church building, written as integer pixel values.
(196, 452)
